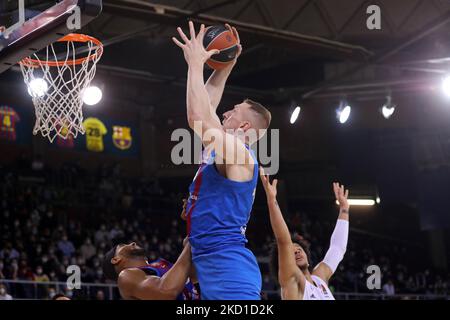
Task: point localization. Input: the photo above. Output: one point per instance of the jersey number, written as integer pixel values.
(94, 132)
(7, 121)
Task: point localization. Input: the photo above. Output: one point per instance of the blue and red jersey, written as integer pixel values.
(218, 209)
(160, 267)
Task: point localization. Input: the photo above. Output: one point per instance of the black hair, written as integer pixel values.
(109, 271)
(304, 244)
(59, 295)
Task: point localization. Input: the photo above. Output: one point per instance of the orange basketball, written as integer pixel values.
(221, 38)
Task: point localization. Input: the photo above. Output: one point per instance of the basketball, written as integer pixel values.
(219, 37)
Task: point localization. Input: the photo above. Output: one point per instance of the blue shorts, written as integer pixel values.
(230, 273)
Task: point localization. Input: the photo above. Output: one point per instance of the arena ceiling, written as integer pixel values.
(297, 42)
(292, 49)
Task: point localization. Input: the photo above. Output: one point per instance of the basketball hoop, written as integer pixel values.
(57, 84)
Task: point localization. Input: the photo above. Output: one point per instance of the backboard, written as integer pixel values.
(33, 25)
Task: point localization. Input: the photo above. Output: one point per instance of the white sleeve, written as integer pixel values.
(338, 245)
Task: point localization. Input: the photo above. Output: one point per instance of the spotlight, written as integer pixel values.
(37, 87)
(295, 114)
(360, 202)
(343, 113)
(92, 95)
(388, 108)
(446, 85)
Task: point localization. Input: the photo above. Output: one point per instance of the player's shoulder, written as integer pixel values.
(130, 276)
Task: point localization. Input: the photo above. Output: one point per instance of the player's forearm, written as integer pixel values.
(173, 282)
(198, 103)
(338, 245)
(216, 85)
(193, 274)
(343, 214)
(279, 226)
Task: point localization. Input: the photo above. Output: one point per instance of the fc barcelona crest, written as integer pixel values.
(122, 137)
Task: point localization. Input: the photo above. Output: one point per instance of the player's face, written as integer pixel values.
(234, 118)
(300, 256)
(130, 250)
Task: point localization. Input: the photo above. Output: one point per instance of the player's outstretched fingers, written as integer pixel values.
(178, 43)
(201, 33)
(192, 30)
(182, 35)
(274, 183)
(262, 175)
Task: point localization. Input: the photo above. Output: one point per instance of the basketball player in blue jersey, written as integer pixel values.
(223, 190)
(138, 279)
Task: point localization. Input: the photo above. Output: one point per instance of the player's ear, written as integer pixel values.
(115, 260)
(245, 125)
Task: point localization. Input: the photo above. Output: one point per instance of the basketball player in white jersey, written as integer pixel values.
(291, 256)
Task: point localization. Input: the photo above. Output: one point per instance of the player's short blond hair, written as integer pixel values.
(262, 111)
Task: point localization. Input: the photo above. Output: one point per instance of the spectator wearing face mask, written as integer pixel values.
(51, 293)
(66, 246)
(389, 288)
(4, 294)
(101, 235)
(88, 250)
(40, 276)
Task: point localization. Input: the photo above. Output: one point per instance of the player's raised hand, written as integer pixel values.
(270, 188)
(183, 212)
(236, 34)
(193, 49)
(341, 196)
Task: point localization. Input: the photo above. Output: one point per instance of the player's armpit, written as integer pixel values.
(323, 271)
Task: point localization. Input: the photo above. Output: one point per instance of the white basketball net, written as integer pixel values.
(58, 101)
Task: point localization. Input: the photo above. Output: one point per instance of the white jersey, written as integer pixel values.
(319, 291)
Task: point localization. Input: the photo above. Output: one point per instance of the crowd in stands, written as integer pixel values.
(53, 218)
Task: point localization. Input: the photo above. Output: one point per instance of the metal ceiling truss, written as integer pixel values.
(380, 59)
(172, 16)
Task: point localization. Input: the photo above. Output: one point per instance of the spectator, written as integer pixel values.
(100, 296)
(66, 246)
(37, 164)
(36, 222)
(51, 293)
(101, 235)
(40, 276)
(60, 296)
(389, 288)
(88, 250)
(2, 265)
(3, 293)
